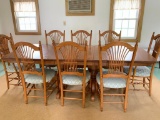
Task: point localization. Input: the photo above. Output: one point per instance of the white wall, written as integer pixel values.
(0, 19)
(0, 27)
(52, 16)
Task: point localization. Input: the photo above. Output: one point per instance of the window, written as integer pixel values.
(126, 16)
(25, 15)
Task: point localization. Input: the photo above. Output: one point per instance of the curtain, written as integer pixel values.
(24, 5)
(126, 4)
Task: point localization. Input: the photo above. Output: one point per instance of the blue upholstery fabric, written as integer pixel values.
(75, 80)
(142, 71)
(111, 82)
(36, 79)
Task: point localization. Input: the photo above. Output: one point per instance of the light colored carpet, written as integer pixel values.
(157, 71)
(140, 107)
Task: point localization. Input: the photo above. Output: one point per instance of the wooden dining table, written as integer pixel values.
(142, 58)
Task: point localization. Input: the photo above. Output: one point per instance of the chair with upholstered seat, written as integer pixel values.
(109, 36)
(10, 68)
(81, 36)
(114, 55)
(69, 56)
(55, 35)
(142, 75)
(33, 77)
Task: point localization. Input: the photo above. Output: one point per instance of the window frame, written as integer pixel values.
(30, 32)
(139, 24)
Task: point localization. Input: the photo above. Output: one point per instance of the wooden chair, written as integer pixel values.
(142, 75)
(69, 55)
(55, 35)
(33, 78)
(10, 68)
(109, 36)
(153, 41)
(114, 54)
(81, 36)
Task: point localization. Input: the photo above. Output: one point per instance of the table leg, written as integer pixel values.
(93, 84)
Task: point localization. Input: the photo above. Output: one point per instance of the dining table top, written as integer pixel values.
(142, 56)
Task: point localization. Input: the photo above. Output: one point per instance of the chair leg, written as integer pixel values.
(58, 86)
(45, 95)
(144, 82)
(125, 100)
(83, 95)
(7, 80)
(25, 91)
(101, 100)
(58, 95)
(62, 95)
(150, 86)
(25, 96)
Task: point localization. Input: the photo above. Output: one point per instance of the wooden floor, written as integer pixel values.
(140, 107)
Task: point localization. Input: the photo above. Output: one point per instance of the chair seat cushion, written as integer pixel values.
(75, 80)
(111, 82)
(142, 71)
(37, 79)
(52, 67)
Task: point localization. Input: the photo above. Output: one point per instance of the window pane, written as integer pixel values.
(118, 13)
(22, 27)
(132, 23)
(118, 24)
(125, 13)
(28, 27)
(26, 14)
(125, 24)
(27, 21)
(33, 27)
(131, 32)
(32, 14)
(133, 14)
(33, 20)
(124, 32)
(117, 30)
(21, 21)
(18, 14)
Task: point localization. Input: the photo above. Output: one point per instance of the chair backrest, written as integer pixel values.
(55, 35)
(24, 53)
(109, 36)
(81, 36)
(115, 53)
(156, 40)
(4, 47)
(69, 56)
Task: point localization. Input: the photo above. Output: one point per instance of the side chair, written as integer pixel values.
(10, 68)
(55, 35)
(114, 55)
(81, 36)
(69, 56)
(109, 36)
(142, 75)
(152, 42)
(37, 79)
